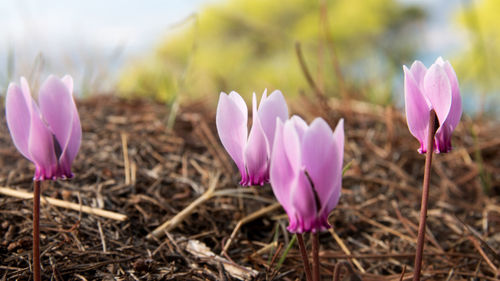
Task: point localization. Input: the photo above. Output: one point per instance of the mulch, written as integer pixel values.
(131, 163)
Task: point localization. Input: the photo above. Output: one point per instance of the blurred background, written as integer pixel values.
(176, 51)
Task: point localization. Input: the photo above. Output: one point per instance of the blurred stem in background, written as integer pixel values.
(480, 59)
(484, 176)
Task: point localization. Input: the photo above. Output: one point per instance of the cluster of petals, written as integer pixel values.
(306, 171)
(250, 151)
(435, 89)
(47, 134)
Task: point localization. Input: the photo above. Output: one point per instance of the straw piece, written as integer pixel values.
(346, 250)
(177, 219)
(247, 219)
(64, 204)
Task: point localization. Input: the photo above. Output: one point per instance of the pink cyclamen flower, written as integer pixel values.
(434, 88)
(306, 171)
(48, 135)
(250, 152)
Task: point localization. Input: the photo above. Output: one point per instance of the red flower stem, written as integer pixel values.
(425, 197)
(36, 231)
(305, 259)
(315, 252)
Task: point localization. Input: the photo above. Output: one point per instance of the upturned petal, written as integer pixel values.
(18, 118)
(456, 99)
(42, 150)
(417, 110)
(282, 173)
(57, 108)
(303, 203)
(231, 121)
(302, 197)
(319, 155)
(300, 125)
(437, 89)
(257, 151)
(338, 139)
(443, 135)
(71, 150)
(270, 108)
(68, 81)
(418, 71)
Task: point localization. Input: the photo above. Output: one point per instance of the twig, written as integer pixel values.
(477, 245)
(425, 196)
(177, 219)
(248, 219)
(395, 255)
(402, 273)
(338, 266)
(64, 204)
(345, 249)
(126, 162)
(201, 251)
(264, 249)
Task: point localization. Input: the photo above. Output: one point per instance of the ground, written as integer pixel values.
(132, 164)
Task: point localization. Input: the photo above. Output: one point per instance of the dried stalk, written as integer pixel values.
(64, 204)
(177, 219)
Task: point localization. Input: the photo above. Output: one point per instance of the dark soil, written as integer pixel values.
(375, 224)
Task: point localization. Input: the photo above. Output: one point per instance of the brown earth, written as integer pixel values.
(163, 171)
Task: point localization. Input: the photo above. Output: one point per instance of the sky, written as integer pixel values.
(82, 36)
(94, 38)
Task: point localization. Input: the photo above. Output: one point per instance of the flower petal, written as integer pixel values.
(41, 148)
(271, 108)
(304, 205)
(18, 118)
(281, 171)
(240, 103)
(456, 99)
(338, 138)
(321, 160)
(437, 89)
(292, 146)
(418, 71)
(417, 110)
(69, 154)
(68, 81)
(300, 125)
(231, 121)
(57, 108)
(256, 151)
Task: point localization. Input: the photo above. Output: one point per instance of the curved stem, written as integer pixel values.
(36, 231)
(425, 197)
(305, 259)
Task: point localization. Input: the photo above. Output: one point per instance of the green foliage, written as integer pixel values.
(248, 45)
(480, 63)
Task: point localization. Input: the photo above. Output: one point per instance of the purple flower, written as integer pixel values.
(306, 171)
(250, 152)
(434, 88)
(49, 135)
